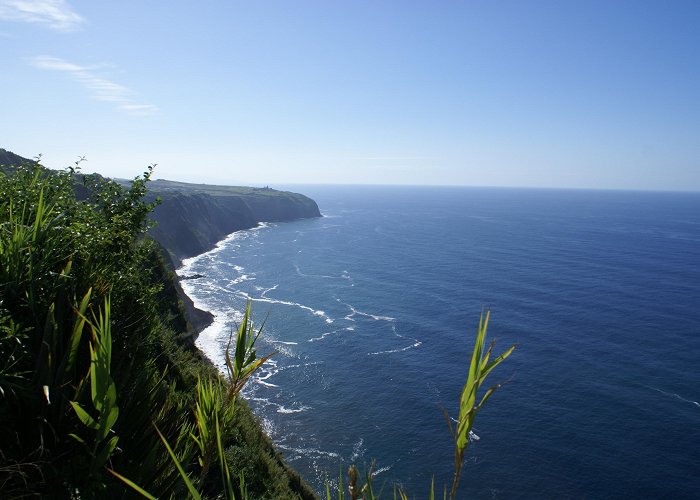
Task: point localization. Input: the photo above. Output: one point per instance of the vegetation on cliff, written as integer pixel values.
(95, 365)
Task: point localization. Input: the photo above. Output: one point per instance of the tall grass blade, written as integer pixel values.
(76, 335)
(225, 472)
(132, 485)
(84, 416)
(188, 482)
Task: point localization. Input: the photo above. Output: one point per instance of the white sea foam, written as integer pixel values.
(323, 276)
(212, 340)
(268, 300)
(280, 408)
(300, 365)
(376, 317)
(309, 452)
(267, 425)
(380, 470)
(283, 342)
(357, 312)
(268, 373)
(358, 451)
(402, 349)
(219, 246)
(284, 409)
(241, 279)
(207, 341)
(677, 396)
(266, 384)
(323, 336)
(265, 290)
(199, 304)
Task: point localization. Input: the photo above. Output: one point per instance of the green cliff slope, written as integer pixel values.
(96, 362)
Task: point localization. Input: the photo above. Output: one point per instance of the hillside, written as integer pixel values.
(102, 381)
(8, 160)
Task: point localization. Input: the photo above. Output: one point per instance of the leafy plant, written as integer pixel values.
(213, 413)
(480, 366)
(103, 394)
(245, 361)
(93, 345)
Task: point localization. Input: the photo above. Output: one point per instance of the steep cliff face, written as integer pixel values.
(188, 225)
(191, 218)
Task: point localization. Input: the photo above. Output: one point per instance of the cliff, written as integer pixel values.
(192, 218)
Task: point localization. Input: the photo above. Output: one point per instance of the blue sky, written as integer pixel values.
(580, 94)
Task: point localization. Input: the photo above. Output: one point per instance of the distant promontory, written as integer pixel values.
(192, 218)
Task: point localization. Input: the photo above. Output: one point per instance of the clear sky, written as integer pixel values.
(599, 94)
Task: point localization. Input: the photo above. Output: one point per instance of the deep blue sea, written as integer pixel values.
(373, 309)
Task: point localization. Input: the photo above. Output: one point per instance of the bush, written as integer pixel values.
(94, 367)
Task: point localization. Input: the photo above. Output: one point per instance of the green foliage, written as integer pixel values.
(103, 394)
(57, 265)
(480, 366)
(245, 361)
(95, 357)
(213, 414)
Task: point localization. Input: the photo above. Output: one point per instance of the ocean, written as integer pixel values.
(372, 311)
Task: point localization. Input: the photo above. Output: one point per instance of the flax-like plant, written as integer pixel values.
(103, 393)
(213, 411)
(245, 361)
(208, 407)
(479, 367)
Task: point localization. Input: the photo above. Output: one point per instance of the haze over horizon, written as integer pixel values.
(522, 94)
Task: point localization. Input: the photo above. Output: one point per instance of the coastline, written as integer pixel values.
(207, 328)
(198, 316)
(199, 319)
(206, 323)
(194, 219)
